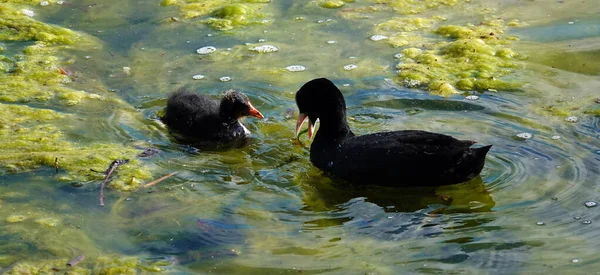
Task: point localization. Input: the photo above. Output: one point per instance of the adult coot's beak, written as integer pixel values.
(253, 111)
(311, 126)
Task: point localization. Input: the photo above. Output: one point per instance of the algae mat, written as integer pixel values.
(82, 84)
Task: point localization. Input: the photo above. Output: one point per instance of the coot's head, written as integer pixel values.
(235, 105)
(319, 99)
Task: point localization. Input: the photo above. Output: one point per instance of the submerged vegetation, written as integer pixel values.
(223, 14)
(36, 136)
(446, 58)
(474, 58)
(443, 59)
(266, 199)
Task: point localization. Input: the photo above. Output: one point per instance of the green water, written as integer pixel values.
(264, 209)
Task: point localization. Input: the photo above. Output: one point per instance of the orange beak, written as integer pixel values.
(253, 111)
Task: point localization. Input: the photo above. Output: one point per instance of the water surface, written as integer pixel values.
(264, 209)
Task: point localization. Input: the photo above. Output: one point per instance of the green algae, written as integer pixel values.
(332, 4)
(474, 58)
(284, 239)
(31, 134)
(222, 14)
(404, 7)
(46, 267)
(30, 2)
(404, 31)
(416, 6)
(563, 56)
(57, 236)
(48, 221)
(16, 218)
(105, 265)
(200, 8)
(16, 26)
(31, 140)
(407, 24)
(593, 111)
(446, 58)
(35, 74)
(232, 16)
(572, 107)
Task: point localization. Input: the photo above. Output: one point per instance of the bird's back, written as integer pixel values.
(189, 113)
(402, 158)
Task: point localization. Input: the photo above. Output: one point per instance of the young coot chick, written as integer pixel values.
(203, 118)
(400, 158)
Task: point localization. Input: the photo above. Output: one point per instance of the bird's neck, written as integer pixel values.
(333, 129)
(227, 120)
(330, 134)
(226, 116)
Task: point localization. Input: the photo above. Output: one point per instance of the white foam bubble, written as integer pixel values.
(264, 49)
(350, 67)
(525, 135)
(206, 50)
(29, 13)
(295, 68)
(378, 37)
(572, 119)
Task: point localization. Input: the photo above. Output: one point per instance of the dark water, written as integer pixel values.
(264, 209)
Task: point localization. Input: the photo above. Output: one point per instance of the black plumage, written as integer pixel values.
(203, 118)
(400, 158)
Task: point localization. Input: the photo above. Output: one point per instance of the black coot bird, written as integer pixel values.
(205, 119)
(400, 158)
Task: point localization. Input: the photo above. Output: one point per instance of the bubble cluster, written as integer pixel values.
(555, 137)
(350, 67)
(378, 37)
(198, 77)
(225, 78)
(525, 135)
(264, 49)
(472, 97)
(44, 3)
(572, 119)
(206, 50)
(295, 68)
(29, 13)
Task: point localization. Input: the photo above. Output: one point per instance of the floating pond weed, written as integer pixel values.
(33, 140)
(451, 57)
(222, 14)
(475, 58)
(266, 198)
(32, 136)
(108, 265)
